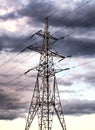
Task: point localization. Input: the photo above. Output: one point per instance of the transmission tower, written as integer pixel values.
(45, 100)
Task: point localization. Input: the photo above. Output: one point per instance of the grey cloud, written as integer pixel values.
(70, 45)
(78, 107)
(11, 114)
(7, 42)
(89, 78)
(12, 107)
(12, 15)
(14, 43)
(68, 91)
(37, 10)
(65, 82)
(76, 47)
(15, 99)
(8, 102)
(83, 17)
(17, 44)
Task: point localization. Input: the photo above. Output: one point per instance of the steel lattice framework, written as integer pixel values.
(45, 100)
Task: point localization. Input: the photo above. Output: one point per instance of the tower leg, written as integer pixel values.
(33, 106)
(57, 106)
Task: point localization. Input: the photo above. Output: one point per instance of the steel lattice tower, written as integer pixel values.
(45, 100)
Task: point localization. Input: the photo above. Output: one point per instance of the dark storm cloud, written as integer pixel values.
(8, 102)
(14, 43)
(13, 15)
(13, 99)
(8, 42)
(16, 105)
(79, 107)
(10, 106)
(37, 11)
(14, 102)
(76, 47)
(80, 18)
(88, 79)
(69, 46)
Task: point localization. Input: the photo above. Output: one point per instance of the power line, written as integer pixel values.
(69, 34)
(66, 15)
(82, 64)
(16, 83)
(73, 67)
(14, 67)
(52, 34)
(66, 69)
(87, 2)
(10, 59)
(65, 36)
(79, 20)
(57, 66)
(30, 37)
(27, 58)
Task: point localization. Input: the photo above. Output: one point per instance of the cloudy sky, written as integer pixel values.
(73, 19)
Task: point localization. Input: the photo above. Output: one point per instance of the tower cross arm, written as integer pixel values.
(34, 68)
(60, 70)
(38, 68)
(57, 55)
(40, 33)
(30, 47)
